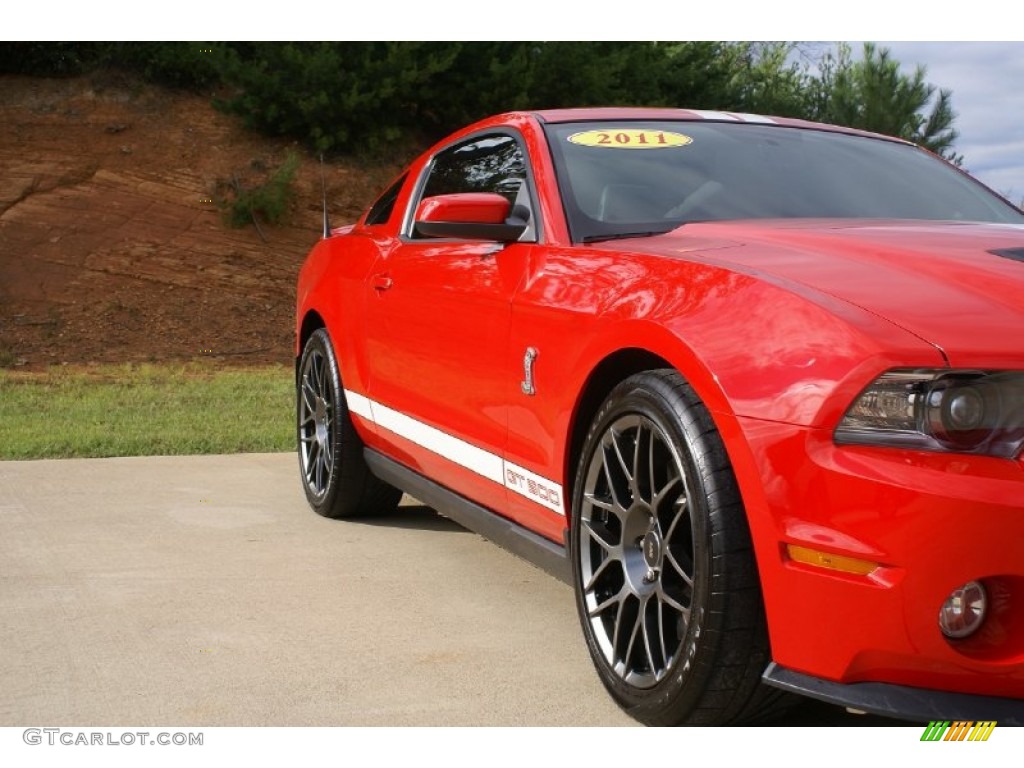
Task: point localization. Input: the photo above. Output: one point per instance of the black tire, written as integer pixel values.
(663, 568)
(337, 481)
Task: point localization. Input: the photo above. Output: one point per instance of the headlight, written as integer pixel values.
(940, 410)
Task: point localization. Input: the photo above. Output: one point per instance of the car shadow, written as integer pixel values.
(413, 516)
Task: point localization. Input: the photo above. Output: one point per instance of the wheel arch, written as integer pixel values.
(311, 321)
(605, 376)
(625, 350)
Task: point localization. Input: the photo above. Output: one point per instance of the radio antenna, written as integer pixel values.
(323, 189)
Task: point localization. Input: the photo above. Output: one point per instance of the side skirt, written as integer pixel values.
(518, 540)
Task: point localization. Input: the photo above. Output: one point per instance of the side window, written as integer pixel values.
(492, 163)
(380, 211)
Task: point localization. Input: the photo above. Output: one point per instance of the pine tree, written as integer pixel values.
(874, 95)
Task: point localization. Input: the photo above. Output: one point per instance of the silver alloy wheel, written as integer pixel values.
(636, 550)
(316, 423)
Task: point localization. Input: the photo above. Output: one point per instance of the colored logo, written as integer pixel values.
(630, 138)
(960, 730)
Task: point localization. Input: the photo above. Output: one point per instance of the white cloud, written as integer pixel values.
(985, 80)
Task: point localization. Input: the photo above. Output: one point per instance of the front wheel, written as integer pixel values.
(337, 481)
(663, 568)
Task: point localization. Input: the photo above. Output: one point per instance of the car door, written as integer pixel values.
(439, 314)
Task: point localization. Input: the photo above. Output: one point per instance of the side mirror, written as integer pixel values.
(471, 216)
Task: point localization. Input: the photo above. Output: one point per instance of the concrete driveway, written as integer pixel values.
(203, 591)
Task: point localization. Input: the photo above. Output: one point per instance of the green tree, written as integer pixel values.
(335, 96)
(872, 94)
(489, 77)
(352, 96)
(699, 75)
(765, 78)
(48, 59)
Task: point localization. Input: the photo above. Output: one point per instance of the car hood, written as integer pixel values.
(941, 281)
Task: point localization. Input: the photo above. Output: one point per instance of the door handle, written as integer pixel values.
(382, 282)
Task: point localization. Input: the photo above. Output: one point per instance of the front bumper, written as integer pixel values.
(931, 522)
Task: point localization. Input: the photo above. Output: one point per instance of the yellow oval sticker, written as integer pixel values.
(630, 138)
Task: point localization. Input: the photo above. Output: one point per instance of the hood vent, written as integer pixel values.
(1017, 254)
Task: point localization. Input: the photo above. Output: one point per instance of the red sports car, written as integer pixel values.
(753, 386)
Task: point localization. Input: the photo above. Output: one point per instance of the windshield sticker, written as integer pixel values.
(630, 138)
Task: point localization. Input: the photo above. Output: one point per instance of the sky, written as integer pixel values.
(987, 81)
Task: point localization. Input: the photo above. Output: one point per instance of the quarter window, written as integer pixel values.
(380, 211)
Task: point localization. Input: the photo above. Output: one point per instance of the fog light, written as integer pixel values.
(964, 610)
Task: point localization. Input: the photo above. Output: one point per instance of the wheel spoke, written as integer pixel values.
(661, 630)
(683, 511)
(635, 477)
(633, 634)
(313, 377)
(308, 395)
(673, 603)
(650, 469)
(618, 597)
(606, 506)
(614, 555)
(606, 545)
(622, 461)
(646, 636)
(679, 569)
(314, 450)
(660, 495)
(597, 574)
(616, 505)
(321, 376)
(324, 469)
(608, 469)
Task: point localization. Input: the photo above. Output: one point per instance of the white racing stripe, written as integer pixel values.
(708, 114)
(359, 405)
(746, 117)
(434, 440)
(532, 486)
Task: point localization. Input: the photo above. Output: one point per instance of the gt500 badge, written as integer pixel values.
(630, 138)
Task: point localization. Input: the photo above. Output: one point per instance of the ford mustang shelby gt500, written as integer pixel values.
(753, 386)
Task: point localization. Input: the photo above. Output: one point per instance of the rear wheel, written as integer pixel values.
(337, 481)
(666, 583)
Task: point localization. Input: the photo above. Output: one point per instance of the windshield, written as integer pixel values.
(633, 178)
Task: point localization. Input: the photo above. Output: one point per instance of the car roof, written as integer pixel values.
(661, 113)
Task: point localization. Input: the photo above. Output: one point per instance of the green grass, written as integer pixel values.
(144, 410)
